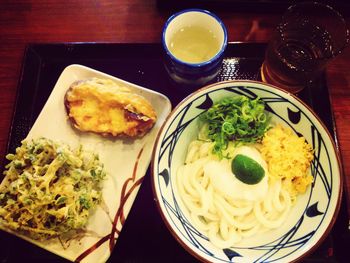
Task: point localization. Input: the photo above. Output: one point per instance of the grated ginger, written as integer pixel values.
(288, 157)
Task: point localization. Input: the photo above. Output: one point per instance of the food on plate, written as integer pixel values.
(237, 119)
(49, 189)
(105, 107)
(289, 157)
(244, 188)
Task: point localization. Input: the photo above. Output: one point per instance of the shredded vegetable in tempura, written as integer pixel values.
(49, 189)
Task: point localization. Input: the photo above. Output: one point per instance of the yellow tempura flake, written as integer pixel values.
(288, 157)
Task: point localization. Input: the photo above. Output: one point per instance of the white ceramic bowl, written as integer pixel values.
(309, 220)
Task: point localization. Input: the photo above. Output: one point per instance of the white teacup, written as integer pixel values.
(194, 41)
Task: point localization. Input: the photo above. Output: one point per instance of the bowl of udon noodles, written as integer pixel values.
(245, 172)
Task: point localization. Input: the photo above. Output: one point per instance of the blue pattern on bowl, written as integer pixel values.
(321, 201)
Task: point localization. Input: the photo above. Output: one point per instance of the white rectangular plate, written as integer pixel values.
(125, 160)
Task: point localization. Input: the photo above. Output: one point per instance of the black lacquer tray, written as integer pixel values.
(144, 237)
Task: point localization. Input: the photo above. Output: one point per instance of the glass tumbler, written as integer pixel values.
(308, 37)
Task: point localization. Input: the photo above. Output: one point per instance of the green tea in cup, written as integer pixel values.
(194, 41)
(194, 44)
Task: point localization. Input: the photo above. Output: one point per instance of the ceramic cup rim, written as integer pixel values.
(201, 64)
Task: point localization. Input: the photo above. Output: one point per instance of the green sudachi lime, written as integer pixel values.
(247, 170)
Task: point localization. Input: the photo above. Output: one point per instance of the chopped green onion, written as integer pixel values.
(238, 119)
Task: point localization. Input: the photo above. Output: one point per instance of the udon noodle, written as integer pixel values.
(225, 220)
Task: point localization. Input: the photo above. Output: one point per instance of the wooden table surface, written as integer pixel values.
(123, 21)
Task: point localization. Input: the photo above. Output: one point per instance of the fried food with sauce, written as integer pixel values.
(104, 107)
